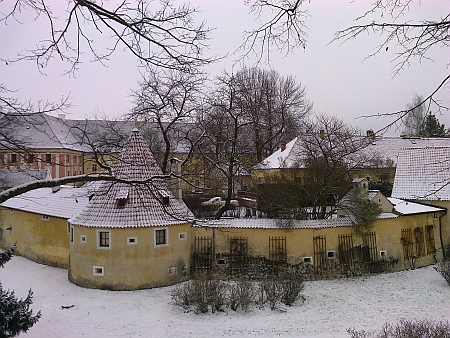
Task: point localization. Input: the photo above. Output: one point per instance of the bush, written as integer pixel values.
(407, 329)
(444, 269)
(205, 293)
(241, 294)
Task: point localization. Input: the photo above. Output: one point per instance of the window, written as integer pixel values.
(307, 260)
(385, 177)
(182, 235)
(68, 158)
(121, 198)
(171, 271)
(161, 237)
(71, 234)
(132, 240)
(83, 239)
(331, 254)
(30, 158)
(13, 158)
(104, 239)
(94, 167)
(11, 210)
(383, 254)
(48, 158)
(45, 217)
(68, 227)
(98, 270)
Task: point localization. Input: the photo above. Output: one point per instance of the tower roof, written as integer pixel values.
(128, 204)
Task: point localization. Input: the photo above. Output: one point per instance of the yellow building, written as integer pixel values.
(410, 235)
(131, 236)
(37, 222)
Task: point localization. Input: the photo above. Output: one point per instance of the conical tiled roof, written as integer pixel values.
(146, 205)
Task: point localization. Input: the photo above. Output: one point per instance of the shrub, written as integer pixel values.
(407, 329)
(291, 285)
(241, 294)
(444, 269)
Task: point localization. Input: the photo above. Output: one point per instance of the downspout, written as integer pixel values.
(440, 234)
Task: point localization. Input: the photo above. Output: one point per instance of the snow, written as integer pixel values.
(330, 307)
(410, 208)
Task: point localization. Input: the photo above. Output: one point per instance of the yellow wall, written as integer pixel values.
(299, 242)
(43, 241)
(129, 267)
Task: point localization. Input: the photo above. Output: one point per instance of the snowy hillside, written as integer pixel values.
(329, 309)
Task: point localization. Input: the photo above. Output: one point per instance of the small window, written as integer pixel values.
(104, 239)
(171, 271)
(98, 270)
(45, 217)
(221, 261)
(71, 234)
(11, 210)
(435, 215)
(68, 158)
(182, 235)
(68, 227)
(13, 158)
(383, 253)
(83, 239)
(331, 254)
(30, 158)
(132, 240)
(48, 158)
(307, 260)
(94, 167)
(161, 237)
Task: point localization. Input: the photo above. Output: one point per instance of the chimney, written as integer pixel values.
(283, 147)
(370, 134)
(175, 182)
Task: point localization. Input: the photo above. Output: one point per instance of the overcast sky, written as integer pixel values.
(338, 79)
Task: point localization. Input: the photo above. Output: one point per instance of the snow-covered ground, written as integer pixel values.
(329, 309)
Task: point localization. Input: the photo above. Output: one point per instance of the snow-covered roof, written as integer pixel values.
(423, 174)
(143, 204)
(386, 148)
(38, 131)
(266, 223)
(13, 177)
(285, 157)
(64, 202)
(403, 207)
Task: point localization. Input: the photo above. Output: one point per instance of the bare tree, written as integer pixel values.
(223, 144)
(413, 40)
(167, 98)
(275, 106)
(164, 36)
(330, 150)
(415, 118)
(284, 29)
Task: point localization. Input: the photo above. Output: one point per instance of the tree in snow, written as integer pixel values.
(432, 128)
(15, 314)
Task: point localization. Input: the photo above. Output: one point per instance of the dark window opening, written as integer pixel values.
(13, 158)
(48, 158)
(103, 239)
(160, 237)
(30, 158)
